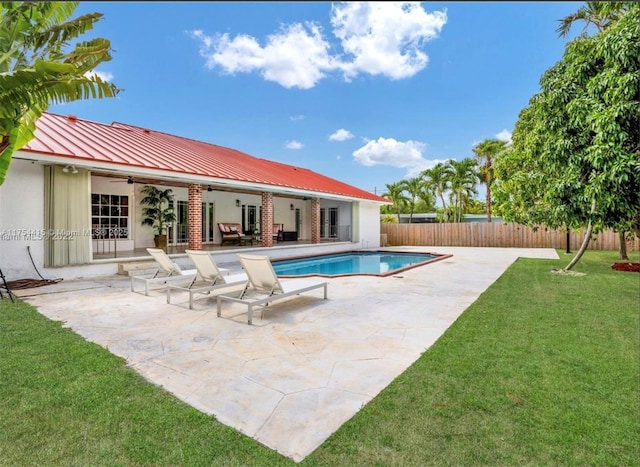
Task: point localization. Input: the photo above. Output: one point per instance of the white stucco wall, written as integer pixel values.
(22, 220)
(367, 222)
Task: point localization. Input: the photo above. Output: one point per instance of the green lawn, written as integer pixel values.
(542, 370)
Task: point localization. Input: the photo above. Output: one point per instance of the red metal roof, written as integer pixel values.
(132, 146)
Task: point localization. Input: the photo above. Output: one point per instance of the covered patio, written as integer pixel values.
(87, 181)
(202, 212)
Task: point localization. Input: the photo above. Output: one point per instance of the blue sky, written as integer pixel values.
(364, 93)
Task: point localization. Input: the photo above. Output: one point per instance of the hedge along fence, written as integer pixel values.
(495, 234)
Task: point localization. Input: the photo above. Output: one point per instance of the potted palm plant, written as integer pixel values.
(157, 212)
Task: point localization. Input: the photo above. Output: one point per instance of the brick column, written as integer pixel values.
(266, 222)
(194, 225)
(315, 220)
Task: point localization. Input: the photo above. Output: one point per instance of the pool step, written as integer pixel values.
(137, 268)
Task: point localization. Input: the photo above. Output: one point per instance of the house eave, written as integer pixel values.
(179, 178)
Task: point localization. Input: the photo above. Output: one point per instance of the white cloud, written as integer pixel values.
(295, 118)
(293, 145)
(504, 135)
(297, 56)
(401, 154)
(341, 135)
(388, 151)
(385, 37)
(378, 38)
(103, 75)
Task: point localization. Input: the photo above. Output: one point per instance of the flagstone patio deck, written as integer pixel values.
(306, 365)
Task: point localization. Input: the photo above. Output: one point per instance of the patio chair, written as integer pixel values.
(168, 271)
(264, 286)
(277, 231)
(232, 233)
(210, 278)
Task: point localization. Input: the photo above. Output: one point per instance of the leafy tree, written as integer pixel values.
(37, 70)
(601, 15)
(426, 202)
(574, 161)
(475, 206)
(395, 194)
(485, 152)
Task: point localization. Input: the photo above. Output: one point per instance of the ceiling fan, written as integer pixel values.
(129, 180)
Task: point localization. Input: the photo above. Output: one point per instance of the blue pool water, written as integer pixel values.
(376, 263)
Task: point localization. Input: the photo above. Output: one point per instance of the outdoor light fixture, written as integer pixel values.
(238, 203)
(209, 188)
(130, 180)
(291, 207)
(71, 168)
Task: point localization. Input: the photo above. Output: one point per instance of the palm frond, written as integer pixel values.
(36, 70)
(567, 22)
(88, 55)
(26, 88)
(63, 33)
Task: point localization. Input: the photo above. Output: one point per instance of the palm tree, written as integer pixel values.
(600, 14)
(414, 187)
(426, 199)
(395, 194)
(437, 180)
(485, 152)
(37, 70)
(463, 178)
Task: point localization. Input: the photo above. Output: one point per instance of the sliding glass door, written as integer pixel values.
(329, 223)
(207, 222)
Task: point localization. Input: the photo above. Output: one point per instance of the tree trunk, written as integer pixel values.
(444, 208)
(585, 242)
(488, 204)
(583, 248)
(623, 246)
(488, 199)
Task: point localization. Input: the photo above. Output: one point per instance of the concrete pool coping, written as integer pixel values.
(306, 365)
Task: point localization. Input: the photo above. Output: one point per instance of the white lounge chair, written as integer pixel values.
(168, 271)
(210, 278)
(265, 287)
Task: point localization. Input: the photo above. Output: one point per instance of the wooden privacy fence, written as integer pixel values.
(495, 234)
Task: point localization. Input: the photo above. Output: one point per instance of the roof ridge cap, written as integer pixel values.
(177, 136)
(83, 120)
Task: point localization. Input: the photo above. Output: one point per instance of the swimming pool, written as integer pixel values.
(372, 263)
